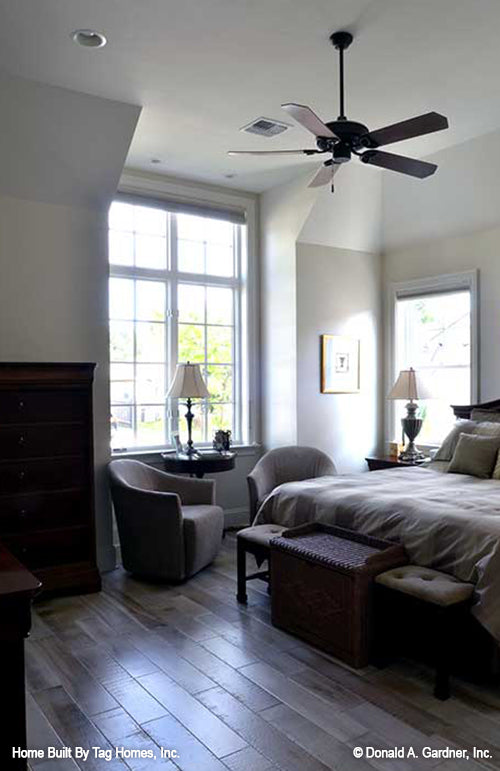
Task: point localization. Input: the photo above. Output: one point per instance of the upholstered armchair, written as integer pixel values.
(169, 526)
(285, 464)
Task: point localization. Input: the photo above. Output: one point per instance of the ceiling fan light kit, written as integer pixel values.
(343, 138)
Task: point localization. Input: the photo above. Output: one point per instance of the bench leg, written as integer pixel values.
(444, 626)
(242, 573)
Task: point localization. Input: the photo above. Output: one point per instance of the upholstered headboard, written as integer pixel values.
(464, 411)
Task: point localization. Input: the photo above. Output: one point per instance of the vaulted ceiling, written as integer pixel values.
(201, 69)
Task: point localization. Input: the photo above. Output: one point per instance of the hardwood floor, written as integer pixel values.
(143, 666)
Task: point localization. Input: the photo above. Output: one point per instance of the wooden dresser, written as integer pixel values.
(47, 472)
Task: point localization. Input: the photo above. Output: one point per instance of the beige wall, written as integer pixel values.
(338, 292)
(53, 307)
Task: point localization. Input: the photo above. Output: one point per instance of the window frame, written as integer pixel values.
(449, 282)
(243, 284)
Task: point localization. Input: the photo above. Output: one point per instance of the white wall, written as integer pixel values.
(53, 240)
(338, 292)
(320, 275)
(283, 211)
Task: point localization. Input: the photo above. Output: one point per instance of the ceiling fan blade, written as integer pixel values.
(308, 119)
(324, 175)
(414, 127)
(272, 152)
(399, 163)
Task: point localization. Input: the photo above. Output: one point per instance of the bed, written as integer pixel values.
(450, 522)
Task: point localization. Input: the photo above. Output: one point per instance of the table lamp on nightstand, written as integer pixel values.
(188, 383)
(410, 385)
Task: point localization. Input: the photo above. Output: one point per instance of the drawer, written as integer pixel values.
(43, 511)
(50, 547)
(38, 441)
(32, 406)
(40, 475)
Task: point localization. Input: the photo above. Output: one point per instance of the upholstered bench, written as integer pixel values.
(254, 540)
(436, 601)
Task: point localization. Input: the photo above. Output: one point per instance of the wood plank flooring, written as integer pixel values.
(145, 666)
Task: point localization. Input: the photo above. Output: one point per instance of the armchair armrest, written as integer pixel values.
(191, 491)
(260, 483)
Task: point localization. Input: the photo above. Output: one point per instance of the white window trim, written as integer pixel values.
(167, 188)
(447, 282)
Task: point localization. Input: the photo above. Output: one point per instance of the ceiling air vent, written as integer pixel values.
(265, 127)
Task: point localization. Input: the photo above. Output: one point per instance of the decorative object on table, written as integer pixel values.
(410, 385)
(188, 384)
(394, 449)
(339, 365)
(222, 441)
(176, 443)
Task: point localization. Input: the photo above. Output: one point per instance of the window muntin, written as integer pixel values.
(175, 294)
(433, 335)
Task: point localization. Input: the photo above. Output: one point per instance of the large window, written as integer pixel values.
(176, 294)
(434, 335)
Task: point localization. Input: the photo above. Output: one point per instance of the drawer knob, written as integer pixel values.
(21, 440)
(23, 512)
(21, 405)
(21, 474)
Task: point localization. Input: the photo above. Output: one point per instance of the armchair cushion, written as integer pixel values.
(203, 528)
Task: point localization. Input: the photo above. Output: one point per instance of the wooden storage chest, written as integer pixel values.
(321, 586)
(47, 472)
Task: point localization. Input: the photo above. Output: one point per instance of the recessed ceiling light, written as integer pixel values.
(229, 176)
(155, 160)
(89, 38)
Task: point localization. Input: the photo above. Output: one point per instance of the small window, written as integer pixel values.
(434, 336)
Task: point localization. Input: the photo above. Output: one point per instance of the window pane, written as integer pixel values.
(220, 261)
(150, 300)
(191, 303)
(122, 392)
(191, 343)
(191, 227)
(121, 216)
(121, 248)
(121, 298)
(219, 345)
(150, 424)
(220, 383)
(191, 256)
(434, 337)
(121, 336)
(122, 372)
(220, 416)
(150, 380)
(219, 305)
(150, 341)
(150, 251)
(122, 431)
(149, 220)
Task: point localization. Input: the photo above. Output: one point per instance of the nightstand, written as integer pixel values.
(387, 461)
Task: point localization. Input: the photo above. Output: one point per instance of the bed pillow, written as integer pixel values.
(487, 429)
(496, 470)
(485, 416)
(475, 455)
(449, 444)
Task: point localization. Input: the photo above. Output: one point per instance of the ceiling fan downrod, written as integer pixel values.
(341, 41)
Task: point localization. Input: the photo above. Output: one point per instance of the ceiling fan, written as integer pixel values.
(342, 138)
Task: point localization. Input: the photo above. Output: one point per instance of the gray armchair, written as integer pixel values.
(169, 526)
(285, 464)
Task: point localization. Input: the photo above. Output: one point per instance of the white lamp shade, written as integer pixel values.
(410, 385)
(187, 383)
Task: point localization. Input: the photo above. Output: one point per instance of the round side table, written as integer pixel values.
(200, 464)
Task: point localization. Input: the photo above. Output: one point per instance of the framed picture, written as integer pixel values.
(176, 442)
(339, 365)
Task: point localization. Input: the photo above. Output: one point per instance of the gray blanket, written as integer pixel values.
(449, 522)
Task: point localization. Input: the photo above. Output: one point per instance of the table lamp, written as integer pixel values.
(188, 384)
(410, 385)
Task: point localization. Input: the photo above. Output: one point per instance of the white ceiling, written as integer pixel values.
(201, 69)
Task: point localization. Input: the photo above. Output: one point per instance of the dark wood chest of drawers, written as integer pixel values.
(47, 472)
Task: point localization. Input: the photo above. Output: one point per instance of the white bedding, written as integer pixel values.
(450, 522)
